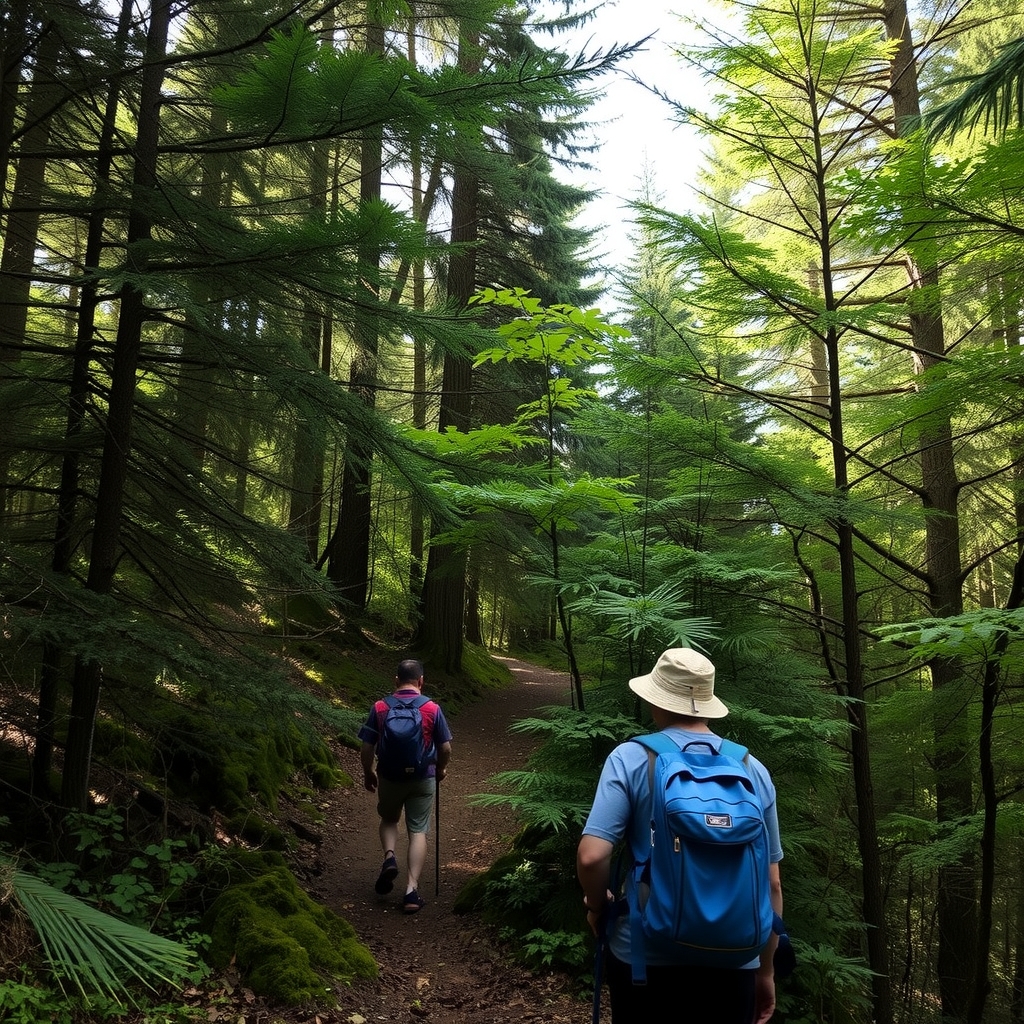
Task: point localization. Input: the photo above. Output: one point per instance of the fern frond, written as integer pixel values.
(95, 950)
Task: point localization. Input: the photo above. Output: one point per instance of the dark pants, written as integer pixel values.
(694, 995)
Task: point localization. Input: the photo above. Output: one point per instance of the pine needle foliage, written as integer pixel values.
(992, 100)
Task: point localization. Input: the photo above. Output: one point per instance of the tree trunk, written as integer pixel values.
(961, 956)
(442, 608)
(21, 230)
(873, 904)
(306, 489)
(117, 432)
(349, 564)
(421, 206)
(197, 377)
(13, 49)
(852, 681)
(79, 390)
(473, 632)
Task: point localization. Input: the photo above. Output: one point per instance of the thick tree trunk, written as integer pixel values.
(442, 607)
(422, 204)
(961, 957)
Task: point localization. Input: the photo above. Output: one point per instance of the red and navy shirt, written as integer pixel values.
(435, 726)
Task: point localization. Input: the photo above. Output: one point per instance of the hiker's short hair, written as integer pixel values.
(409, 669)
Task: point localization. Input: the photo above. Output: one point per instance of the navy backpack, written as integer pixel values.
(402, 750)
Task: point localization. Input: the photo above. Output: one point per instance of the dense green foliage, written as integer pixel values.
(297, 359)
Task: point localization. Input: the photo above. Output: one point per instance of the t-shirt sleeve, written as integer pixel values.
(441, 733)
(368, 731)
(610, 813)
(766, 790)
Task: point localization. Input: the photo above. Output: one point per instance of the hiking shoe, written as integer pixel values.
(413, 901)
(386, 879)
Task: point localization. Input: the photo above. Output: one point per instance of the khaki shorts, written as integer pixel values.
(416, 798)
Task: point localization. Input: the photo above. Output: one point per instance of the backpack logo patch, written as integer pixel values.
(718, 820)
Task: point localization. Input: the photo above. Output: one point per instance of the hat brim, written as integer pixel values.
(648, 688)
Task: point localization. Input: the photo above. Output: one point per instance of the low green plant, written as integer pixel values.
(22, 1003)
(524, 892)
(93, 951)
(553, 793)
(138, 885)
(518, 888)
(559, 950)
(172, 1013)
(831, 986)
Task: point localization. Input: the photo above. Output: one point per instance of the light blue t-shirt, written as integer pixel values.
(625, 773)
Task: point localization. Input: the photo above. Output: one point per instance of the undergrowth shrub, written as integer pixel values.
(524, 892)
(24, 1002)
(156, 885)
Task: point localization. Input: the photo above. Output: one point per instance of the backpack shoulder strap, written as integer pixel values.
(657, 743)
(734, 750)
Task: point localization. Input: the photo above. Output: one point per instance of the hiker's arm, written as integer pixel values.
(366, 755)
(764, 991)
(444, 755)
(593, 869)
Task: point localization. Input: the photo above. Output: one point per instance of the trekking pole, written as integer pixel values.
(598, 964)
(437, 838)
(604, 929)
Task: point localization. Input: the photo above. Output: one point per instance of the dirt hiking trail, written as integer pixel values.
(435, 964)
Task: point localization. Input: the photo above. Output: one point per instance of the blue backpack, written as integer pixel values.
(700, 894)
(402, 750)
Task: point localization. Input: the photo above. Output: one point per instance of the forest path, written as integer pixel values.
(435, 964)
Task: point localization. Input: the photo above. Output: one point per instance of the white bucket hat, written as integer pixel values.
(683, 681)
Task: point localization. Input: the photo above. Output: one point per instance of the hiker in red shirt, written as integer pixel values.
(409, 737)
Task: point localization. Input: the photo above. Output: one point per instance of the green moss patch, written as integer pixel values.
(231, 760)
(287, 947)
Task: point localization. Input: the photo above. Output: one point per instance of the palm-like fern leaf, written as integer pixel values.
(96, 951)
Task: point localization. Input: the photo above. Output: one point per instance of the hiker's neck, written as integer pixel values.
(669, 719)
(408, 684)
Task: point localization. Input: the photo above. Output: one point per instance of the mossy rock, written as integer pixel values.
(113, 742)
(287, 947)
(229, 762)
